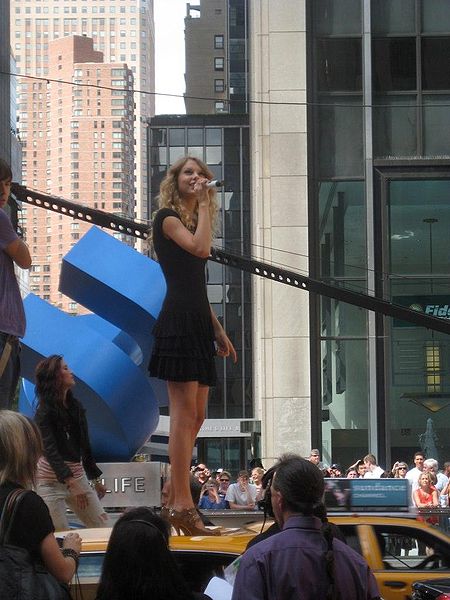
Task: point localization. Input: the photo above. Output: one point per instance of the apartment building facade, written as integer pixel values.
(123, 31)
(79, 139)
(217, 54)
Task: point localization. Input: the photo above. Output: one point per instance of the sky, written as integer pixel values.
(169, 40)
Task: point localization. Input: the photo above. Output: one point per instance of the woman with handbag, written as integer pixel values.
(64, 471)
(26, 526)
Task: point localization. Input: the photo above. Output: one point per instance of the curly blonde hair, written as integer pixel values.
(169, 197)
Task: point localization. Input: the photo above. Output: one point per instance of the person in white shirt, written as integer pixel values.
(242, 495)
(413, 474)
(373, 471)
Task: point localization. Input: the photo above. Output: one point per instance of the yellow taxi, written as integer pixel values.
(400, 551)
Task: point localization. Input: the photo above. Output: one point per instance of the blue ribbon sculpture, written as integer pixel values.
(108, 351)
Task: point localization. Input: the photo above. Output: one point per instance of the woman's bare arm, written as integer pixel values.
(61, 567)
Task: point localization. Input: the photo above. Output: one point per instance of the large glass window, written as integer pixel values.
(435, 16)
(340, 206)
(419, 219)
(342, 218)
(342, 225)
(394, 64)
(337, 18)
(393, 17)
(410, 124)
(340, 136)
(344, 369)
(339, 64)
(436, 120)
(436, 71)
(195, 136)
(395, 126)
(418, 359)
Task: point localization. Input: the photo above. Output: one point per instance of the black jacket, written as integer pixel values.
(66, 438)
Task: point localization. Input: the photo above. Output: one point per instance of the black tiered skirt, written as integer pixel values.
(184, 347)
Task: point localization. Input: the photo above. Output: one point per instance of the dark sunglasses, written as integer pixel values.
(224, 480)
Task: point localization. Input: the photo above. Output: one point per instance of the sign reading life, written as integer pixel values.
(132, 484)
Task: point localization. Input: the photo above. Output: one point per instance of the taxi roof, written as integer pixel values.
(231, 540)
(234, 540)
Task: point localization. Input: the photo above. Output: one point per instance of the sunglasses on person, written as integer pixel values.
(402, 468)
(224, 480)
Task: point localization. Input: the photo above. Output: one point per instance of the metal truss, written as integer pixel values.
(127, 226)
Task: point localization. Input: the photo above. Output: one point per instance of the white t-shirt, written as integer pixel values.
(413, 476)
(375, 474)
(237, 496)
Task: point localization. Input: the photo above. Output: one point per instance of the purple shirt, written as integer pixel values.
(290, 565)
(12, 314)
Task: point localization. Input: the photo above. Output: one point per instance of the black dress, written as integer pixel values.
(184, 347)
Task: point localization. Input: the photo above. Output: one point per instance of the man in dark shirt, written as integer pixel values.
(300, 562)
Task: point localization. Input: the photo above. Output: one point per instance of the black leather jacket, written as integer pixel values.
(66, 438)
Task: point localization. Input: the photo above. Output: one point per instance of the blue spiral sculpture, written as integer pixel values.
(108, 351)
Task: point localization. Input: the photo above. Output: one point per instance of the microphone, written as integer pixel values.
(215, 183)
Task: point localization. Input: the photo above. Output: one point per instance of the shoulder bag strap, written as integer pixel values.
(8, 513)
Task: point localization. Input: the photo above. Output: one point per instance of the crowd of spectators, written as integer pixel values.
(437, 493)
(220, 491)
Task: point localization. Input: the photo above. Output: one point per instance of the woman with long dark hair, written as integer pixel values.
(67, 465)
(187, 333)
(138, 564)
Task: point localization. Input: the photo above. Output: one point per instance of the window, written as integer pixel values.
(435, 76)
(219, 85)
(339, 65)
(219, 63)
(394, 64)
(220, 106)
(405, 548)
(218, 42)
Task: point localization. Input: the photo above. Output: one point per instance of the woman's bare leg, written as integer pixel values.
(202, 401)
(183, 431)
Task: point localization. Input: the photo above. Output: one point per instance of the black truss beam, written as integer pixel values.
(141, 230)
(82, 213)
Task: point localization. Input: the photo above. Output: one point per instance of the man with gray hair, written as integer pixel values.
(430, 465)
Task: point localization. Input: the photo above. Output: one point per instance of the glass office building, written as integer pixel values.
(222, 142)
(379, 215)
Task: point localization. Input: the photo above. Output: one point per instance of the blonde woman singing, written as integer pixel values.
(187, 333)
